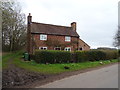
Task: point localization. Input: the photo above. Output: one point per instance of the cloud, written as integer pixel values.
(96, 19)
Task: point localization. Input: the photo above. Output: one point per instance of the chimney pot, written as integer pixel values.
(29, 18)
(29, 14)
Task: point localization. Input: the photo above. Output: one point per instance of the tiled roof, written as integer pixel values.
(52, 29)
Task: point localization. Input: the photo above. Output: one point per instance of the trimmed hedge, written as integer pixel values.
(82, 56)
(95, 55)
(110, 54)
(52, 56)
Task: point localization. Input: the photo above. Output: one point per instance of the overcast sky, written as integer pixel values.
(97, 20)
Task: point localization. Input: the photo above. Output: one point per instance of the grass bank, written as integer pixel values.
(59, 68)
(50, 68)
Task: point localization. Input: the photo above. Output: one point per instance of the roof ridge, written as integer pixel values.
(52, 29)
(52, 25)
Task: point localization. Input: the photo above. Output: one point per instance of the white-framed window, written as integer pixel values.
(67, 38)
(43, 37)
(67, 49)
(57, 48)
(43, 48)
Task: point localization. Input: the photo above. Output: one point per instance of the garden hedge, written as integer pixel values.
(110, 54)
(82, 56)
(52, 56)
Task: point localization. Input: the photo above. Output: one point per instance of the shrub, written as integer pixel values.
(82, 56)
(52, 56)
(32, 56)
(111, 54)
(96, 55)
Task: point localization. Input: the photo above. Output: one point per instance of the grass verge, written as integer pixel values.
(50, 68)
(9, 58)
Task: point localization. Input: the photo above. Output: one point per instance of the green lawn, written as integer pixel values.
(57, 68)
(7, 58)
(49, 68)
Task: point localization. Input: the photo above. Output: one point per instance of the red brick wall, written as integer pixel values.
(83, 45)
(61, 39)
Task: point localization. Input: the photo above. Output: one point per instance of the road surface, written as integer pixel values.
(106, 77)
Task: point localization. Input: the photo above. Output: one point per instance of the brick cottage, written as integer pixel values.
(53, 37)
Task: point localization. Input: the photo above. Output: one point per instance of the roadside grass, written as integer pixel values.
(50, 68)
(7, 59)
(58, 68)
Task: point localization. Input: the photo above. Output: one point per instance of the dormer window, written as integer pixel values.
(67, 38)
(43, 37)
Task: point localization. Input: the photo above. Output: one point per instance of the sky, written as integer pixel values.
(97, 20)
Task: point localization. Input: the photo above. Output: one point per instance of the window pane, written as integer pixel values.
(67, 49)
(43, 48)
(57, 48)
(67, 38)
(43, 37)
(80, 48)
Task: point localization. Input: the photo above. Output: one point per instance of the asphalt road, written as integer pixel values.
(106, 77)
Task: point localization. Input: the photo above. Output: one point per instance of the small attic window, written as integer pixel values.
(43, 37)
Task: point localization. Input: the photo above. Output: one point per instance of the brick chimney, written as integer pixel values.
(73, 25)
(29, 21)
(29, 18)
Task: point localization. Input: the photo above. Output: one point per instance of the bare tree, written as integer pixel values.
(116, 42)
(13, 26)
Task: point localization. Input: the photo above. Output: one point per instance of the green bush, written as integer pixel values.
(82, 56)
(52, 56)
(96, 55)
(111, 54)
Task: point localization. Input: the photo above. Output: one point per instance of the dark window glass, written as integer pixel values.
(80, 48)
(57, 48)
